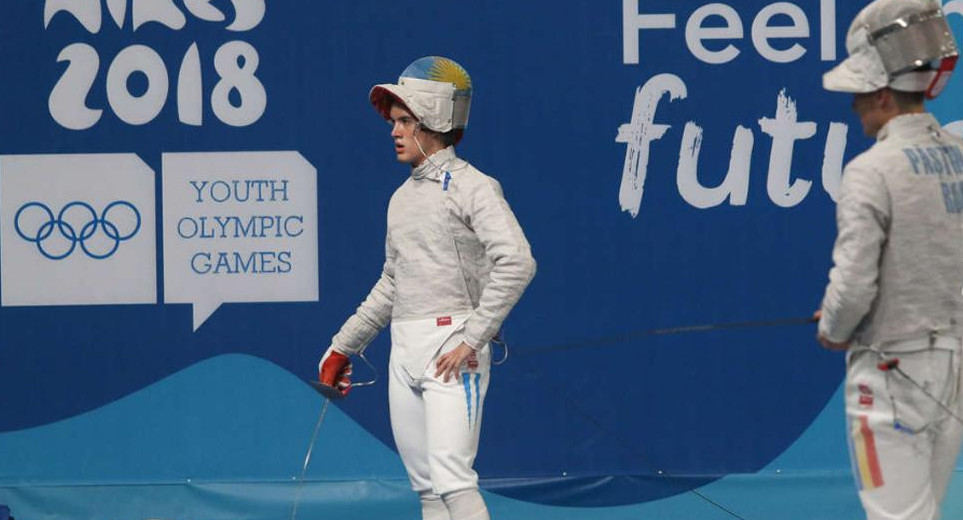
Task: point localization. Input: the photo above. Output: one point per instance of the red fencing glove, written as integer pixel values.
(334, 374)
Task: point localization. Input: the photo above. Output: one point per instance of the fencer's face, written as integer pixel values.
(403, 128)
(870, 108)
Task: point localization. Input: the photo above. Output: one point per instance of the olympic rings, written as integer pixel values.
(68, 230)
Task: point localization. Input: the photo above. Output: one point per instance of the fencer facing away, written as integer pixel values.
(894, 299)
(456, 262)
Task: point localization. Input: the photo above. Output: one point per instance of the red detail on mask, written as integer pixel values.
(942, 77)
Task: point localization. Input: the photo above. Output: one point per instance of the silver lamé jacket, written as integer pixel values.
(898, 256)
(453, 246)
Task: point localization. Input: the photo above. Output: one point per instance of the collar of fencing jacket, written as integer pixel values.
(908, 124)
(435, 165)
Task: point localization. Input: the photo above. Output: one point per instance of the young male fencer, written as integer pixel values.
(894, 298)
(456, 262)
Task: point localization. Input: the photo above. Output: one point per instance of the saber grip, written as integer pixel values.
(888, 364)
(334, 375)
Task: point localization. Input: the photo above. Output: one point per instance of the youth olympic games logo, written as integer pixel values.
(99, 236)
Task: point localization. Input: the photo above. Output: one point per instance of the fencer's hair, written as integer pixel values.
(907, 101)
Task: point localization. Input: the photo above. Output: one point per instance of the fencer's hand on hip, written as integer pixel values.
(448, 364)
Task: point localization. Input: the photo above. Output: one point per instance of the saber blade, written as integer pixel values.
(669, 331)
(307, 459)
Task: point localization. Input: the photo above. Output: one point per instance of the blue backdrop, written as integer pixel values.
(121, 411)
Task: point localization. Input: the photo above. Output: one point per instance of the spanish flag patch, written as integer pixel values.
(865, 459)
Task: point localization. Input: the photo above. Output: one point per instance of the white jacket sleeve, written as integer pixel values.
(373, 314)
(862, 216)
(513, 266)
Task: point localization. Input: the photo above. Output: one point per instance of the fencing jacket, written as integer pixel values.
(453, 246)
(898, 257)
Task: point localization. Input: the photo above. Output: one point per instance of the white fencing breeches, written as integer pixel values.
(903, 444)
(436, 424)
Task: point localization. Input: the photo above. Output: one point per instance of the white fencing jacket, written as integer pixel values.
(898, 257)
(453, 247)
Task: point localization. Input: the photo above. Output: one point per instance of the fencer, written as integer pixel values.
(895, 286)
(456, 263)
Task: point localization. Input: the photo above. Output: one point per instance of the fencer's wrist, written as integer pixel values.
(339, 349)
(475, 343)
(823, 330)
(327, 353)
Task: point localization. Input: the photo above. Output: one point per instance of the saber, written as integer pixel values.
(622, 338)
(330, 393)
(307, 459)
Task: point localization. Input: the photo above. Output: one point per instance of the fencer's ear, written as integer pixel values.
(881, 99)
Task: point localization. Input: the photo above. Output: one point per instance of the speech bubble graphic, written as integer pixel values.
(77, 229)
(239, 227)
